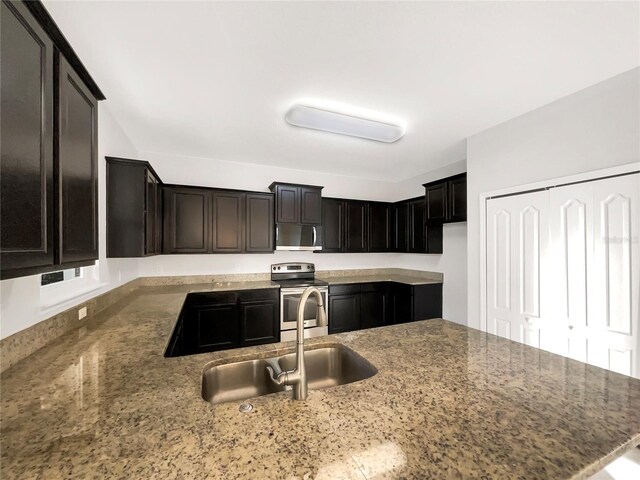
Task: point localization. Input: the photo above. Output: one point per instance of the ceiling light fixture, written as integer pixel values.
(345, 120)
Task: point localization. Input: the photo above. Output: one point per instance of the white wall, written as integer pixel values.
(23, 302)
(595, 128)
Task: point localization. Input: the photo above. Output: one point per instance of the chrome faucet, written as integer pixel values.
(298, 376)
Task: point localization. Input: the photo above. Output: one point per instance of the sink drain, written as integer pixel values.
(246, 407)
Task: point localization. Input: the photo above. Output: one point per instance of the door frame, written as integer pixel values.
(589, 176)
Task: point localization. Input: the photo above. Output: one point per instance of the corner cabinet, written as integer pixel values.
(48, 169)
(134, 209)
(211, 321)
(299, 204)
(446, 200)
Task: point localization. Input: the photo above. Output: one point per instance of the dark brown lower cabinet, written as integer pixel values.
(256, 320)
(373, 305)
(344, 311)
(212, 321)
(216, 327)
(368, 305)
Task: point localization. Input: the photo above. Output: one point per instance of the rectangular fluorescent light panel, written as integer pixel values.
(345, 121)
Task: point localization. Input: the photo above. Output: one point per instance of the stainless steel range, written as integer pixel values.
(293, 279)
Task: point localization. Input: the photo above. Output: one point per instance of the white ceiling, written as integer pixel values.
(214, 79)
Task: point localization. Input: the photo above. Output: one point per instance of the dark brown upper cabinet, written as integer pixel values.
(457, 199)
(206, 220)
(186, 220)
(417, 227)
(77, 167)
(26, 176)
(436, 202)
(259, 235)
(134, 209)
(48, 170)
(400, 228)
(422, 237)
(356, 230)
(446, 199)
(301, 204)
(380, 227)
(333, 219)
(227, 233)
(310, 205)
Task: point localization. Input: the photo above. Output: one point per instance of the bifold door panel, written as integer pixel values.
(563, 271)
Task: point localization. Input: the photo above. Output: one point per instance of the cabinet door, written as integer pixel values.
(217, 327)
(356, 226)
(434, 238)
(400, 304)
(332, 225)
(311, 206)
(227, 222)
(401, 227)
(259, 322)
(380, 227)
(126, 204)
(151, 213)
(26, 167)
(186, 220)
(259, 223)
(457, 201)
(417, 228)
(287, 204)
(436, 198)
(373, 306)
(344, 313)
(77, 168)
(427, 301)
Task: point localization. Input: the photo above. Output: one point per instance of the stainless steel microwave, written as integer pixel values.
(298, 237)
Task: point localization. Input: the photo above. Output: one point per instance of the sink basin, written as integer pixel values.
(331, 366)
(326, 367)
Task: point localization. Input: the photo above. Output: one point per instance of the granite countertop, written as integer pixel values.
(398, 278)
(447, 402)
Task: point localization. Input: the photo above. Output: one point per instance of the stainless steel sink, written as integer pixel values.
(326, 367)
(331, 366)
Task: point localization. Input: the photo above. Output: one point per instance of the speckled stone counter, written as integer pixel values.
(398, 275)
(447, 402)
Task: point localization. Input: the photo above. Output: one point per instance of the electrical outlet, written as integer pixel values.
(82, 313)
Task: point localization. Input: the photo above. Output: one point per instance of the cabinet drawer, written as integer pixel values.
(374, 287)
(344, 289)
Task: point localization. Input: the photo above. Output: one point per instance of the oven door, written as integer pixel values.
(289, 300)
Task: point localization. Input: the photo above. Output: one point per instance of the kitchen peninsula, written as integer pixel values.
(447, 402)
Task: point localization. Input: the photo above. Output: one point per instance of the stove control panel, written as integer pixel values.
(293, 268)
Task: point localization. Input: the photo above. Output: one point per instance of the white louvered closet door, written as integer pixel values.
(517, 238)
